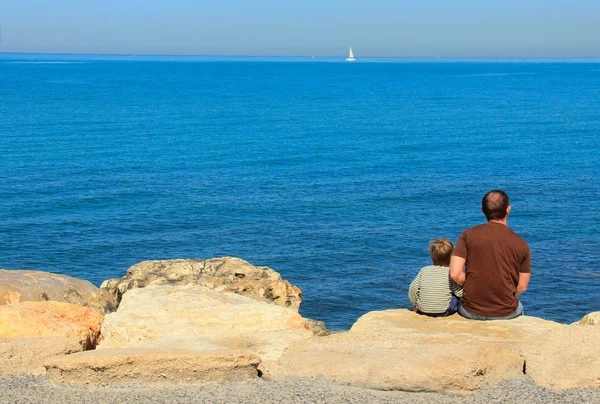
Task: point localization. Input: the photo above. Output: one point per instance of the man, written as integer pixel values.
(493, 263)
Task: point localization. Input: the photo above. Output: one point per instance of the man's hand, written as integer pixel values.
(457, 269)
(524, 278)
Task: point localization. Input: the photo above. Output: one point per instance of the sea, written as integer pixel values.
(335, 174)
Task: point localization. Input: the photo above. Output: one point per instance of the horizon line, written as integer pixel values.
(293, 56)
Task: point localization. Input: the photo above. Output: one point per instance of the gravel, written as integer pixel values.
(32, 389)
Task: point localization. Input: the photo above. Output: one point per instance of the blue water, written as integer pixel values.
(334, 174)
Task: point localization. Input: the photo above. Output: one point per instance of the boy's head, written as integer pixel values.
(441, 251)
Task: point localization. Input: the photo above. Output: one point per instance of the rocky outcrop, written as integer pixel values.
(190, 321)
(51, 319)
(398, 349)
(201, 319)
(154, 366)
(23, 286)
(26, 356)
(223, 274)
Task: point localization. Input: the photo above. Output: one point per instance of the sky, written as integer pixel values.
(386, 28)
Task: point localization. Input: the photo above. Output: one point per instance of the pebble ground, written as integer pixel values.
(30, 389)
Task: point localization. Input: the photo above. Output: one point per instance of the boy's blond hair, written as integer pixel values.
(441, 251)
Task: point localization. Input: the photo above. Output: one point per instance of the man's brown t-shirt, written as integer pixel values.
(495, 255)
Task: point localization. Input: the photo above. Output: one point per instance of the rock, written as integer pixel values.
(25, 356)
(201, 319)
(223, 274)
(590, 319)
(565, 358)
(400, 350)
(51, 319)
(153, 366)
(318, 327)
(22, 286)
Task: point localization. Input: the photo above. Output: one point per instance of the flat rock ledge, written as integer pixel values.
(201, 319)
(401, 350)
(228, 274)
(123, 366)
(23, 286)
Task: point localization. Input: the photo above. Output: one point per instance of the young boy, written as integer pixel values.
(432, 292)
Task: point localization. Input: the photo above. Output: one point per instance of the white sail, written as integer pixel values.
(351, 55)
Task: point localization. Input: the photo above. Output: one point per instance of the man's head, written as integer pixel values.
(441, 251)
(495, 205)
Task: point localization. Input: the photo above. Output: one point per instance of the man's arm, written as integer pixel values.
(524, 278)
(456, 289)
(524, 272)
(457, 269)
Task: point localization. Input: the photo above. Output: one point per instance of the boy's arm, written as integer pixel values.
(413, 290)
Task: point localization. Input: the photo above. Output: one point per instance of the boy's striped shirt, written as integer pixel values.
(432, 289)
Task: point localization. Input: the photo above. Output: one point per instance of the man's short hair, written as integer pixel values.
(441, 251)
(495, 205)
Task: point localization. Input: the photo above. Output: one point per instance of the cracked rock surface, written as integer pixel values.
(227, 274)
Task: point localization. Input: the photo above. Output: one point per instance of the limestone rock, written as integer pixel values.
(25, 356)
(201, 319)
(400, 350)
(51, 319)
(22, 286)
(565, 358)
(318, 327)
(590, 319)
(154, 366)
(227, 273)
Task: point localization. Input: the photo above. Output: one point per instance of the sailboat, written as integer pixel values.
(351, 57)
